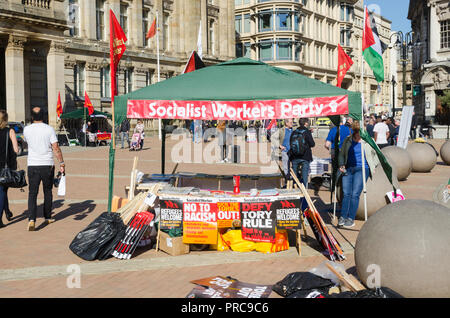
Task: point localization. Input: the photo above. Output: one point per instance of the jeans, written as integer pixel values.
(286, 164)
(123, 135)
(352, 185)
(303, 176)
(36, 174)
(3, 200)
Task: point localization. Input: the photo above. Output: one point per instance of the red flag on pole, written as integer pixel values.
(151, 33)
(344, 64)
(88, 104)
(59, 109)
(194, 63)
(117, 48)
(272, 124)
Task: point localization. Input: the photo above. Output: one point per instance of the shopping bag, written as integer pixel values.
(62, 186)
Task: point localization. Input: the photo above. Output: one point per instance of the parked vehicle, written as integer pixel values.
(18, 128)
(323, 121)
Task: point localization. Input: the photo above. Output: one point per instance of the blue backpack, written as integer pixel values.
(298, 144)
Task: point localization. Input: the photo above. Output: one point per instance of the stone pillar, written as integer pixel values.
(15, 79)
(92, 83)
(55, 79)
(88, 18)
(136, 31)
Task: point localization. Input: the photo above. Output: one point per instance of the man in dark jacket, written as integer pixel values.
(305, 158)
(124, 131)
(413, 132)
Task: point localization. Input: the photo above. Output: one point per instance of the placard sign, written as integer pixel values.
(393, 198)
(200, 221)
(258, 220)
(227, 212)
(287, 210)
(171, 213)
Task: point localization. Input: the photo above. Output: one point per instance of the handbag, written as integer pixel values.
(11, 178)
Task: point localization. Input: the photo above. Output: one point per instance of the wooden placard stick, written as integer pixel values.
(346, 279)
(133, 179)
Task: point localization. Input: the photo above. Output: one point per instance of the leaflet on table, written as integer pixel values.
(258, 219)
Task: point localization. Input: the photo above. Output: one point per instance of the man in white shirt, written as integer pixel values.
(381, 133)
(42, 144)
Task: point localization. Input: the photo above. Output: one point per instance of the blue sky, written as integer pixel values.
(394, 10)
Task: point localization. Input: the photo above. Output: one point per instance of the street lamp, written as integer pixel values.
(403, 44)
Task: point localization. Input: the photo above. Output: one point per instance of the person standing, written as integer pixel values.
(344, 131)
(300, 153)
(381, 133)
(8, 150)
(140, 129)
(413, 131)
(390, 123)
(280, 139)
(42, 144)
(222, 130)
(350, 166)
(370, 126)
(125, 132)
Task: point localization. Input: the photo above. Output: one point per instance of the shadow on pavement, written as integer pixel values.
(80, 210)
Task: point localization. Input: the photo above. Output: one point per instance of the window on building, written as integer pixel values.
(247, 23)
(124, 18)
(145, 26)
(100, 19)
(284, 20)
(445, 34)
(148, 78)
(238, 24)
(345, 37)
(212, 37)
(296, 21)
(265, 21)
(79, 79)
(237, 2)
(239, 50)
(74, 18)
(166, 31)
(298, 49)
(128, 80)
(346, 12)
(266, 50)
(105, 82)
(247, 50)
(284, 49)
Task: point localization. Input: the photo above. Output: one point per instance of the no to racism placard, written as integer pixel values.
(287, 210)
(171, 213)
(200, 221)
(258, 220)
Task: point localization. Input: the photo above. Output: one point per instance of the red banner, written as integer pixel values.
(239, 110)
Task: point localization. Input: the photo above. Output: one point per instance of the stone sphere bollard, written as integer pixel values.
(423, 157)
(404, 246)
(445, 152)
(401, 159)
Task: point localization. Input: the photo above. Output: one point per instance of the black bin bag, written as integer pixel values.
(100, 237)
(300, 284)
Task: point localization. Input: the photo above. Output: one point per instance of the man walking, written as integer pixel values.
(42, 144)
(281, 144)
(413, 132)
(381, 133)
(300, 152)
(124, 132)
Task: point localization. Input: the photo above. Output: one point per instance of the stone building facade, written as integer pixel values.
(51, 46)
(430, 22)
(303, 36)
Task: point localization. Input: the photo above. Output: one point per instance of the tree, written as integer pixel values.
(443, 112)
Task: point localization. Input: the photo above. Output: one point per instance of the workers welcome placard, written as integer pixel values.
(200, 221)
(258, 220)
(171, 213)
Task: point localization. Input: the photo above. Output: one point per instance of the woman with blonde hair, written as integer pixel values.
(351, 168)
(8, 150)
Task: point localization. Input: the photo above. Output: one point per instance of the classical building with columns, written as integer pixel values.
(51, 46)
(430, 22)
(303, 36)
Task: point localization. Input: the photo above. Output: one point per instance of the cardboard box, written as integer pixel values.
(172, 245)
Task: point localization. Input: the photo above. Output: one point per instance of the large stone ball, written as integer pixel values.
(401, 159)
(409, 242)
(445, 152)
(423, 157)
(377, 187)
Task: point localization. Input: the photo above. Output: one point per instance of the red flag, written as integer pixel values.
(344, 64)
(272, 123)
(194, 63)
(117, 48)
(59, 109)
(151, 33)
(88, 104)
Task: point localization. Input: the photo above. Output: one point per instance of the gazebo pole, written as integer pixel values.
(362, 127)
(163, 147)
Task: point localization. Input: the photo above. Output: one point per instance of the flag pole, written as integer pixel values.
(85, 129)
(362, 120)
(158, 66)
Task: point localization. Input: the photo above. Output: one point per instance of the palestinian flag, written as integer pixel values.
(373, 48)
(194, 63)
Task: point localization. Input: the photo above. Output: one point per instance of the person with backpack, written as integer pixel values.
(300, 152)
(124, 132)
